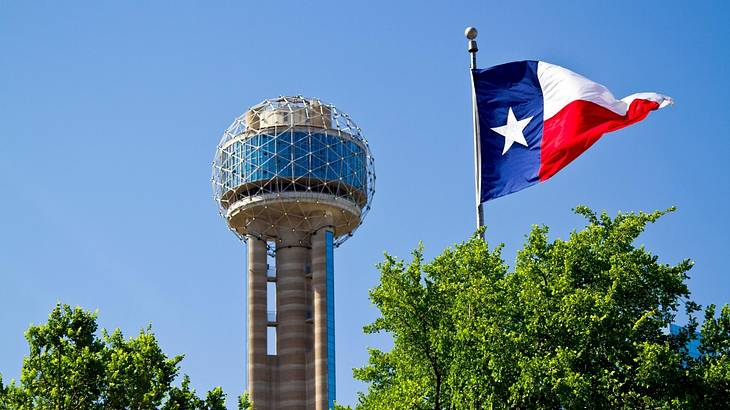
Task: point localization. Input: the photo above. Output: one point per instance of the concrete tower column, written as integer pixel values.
(258, 368)
(319, 299)
(292, 326)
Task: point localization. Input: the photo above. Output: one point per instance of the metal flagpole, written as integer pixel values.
(471, 35)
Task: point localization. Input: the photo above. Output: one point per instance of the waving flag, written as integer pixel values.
(534, 118)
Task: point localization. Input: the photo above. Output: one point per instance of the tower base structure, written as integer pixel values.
(301, 373)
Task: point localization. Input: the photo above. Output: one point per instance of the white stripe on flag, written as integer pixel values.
(561, 86)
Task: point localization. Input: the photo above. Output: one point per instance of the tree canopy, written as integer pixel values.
(578, 323)
(71, 367)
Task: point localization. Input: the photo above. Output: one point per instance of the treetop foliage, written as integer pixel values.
(578, 323)
(70, 367)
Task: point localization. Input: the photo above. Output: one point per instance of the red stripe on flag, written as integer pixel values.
(579, 125)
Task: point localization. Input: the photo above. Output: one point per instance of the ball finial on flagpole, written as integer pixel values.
(471, 35)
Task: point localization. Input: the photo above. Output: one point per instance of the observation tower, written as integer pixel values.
(293, 176)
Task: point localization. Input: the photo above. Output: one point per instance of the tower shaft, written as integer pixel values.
(292, 330)
(259, 371)
(323, 322)
(300, 376)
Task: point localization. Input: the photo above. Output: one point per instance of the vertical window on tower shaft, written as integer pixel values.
(271, 300)
(271, 315)
(271, 341)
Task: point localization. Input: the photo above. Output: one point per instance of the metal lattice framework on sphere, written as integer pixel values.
(290, 166)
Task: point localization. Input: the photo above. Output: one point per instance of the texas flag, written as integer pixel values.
(534, 118)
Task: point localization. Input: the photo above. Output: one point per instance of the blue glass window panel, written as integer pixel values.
(301, 149)
(331, 156)
(284, 155)
(318, 158)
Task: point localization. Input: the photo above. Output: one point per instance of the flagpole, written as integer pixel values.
(471, 35)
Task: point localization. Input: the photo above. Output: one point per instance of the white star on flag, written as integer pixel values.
(512, 131)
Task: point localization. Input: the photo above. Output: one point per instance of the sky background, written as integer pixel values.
(110, 113)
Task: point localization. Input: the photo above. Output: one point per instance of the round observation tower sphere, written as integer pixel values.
(290, 166)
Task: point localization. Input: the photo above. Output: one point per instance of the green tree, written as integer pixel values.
(70, 367)
(64, 368)
(244, 403)
(140, 360)
(578, 323)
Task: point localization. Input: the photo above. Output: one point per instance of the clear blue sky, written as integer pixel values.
(110, 113)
